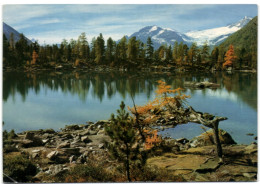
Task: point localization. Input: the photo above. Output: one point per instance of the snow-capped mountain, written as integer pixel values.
(168, 36)
(215, 36)
(159, 35)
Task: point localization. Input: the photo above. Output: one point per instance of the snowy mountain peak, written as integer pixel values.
(217, 35)
(168, 36)
(241, 23)
(158, 35)
(154, 28)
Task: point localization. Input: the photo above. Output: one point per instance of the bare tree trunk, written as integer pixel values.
(216, 136)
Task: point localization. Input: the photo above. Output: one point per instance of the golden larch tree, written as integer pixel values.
(229, 57)
(34, 57)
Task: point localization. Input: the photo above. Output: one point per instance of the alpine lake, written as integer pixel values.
(42, 100)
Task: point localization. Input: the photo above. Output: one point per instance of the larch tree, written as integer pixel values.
(34, 57)
(83, 47)
(193, 52)
(99, 49)
(230, 57)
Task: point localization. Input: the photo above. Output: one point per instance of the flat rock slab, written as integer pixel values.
(179, 164)
(209, 166)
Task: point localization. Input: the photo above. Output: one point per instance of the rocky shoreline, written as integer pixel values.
(56, 152)
(104, 68)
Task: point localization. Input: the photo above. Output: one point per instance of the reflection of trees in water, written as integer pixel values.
(106, 85)
(242, 84)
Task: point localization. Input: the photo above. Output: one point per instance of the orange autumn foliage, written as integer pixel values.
(34, 58)
(165, 98)
(152, 138)
(229, 57)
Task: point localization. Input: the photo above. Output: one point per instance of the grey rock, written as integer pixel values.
(67, 136)
(249, 175)
(172, 118)
(72, 158)
(101, 146)
(182, 140)
(80, 159)
(93, 132)
(251, 146)
(210, 165)
(207, 138)
(84, 133)
(49, 131)
(78, 144)
(56, 169)
(64, 145)
(44, 141)
(34, 155)
(52, 155)
(36, 151)
(86, 139)
(71, 127)
(71, 151)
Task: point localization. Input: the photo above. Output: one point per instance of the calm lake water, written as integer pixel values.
(53, 100)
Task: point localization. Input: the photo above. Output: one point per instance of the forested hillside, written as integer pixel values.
(245, 43)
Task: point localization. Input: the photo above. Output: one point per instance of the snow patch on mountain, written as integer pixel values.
(222, 33)
(168, 36)
(154, 28)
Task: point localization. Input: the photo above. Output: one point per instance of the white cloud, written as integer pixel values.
(15, 14)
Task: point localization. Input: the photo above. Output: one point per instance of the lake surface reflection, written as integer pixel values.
(52, 100)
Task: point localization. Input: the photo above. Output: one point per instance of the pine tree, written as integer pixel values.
(169, 54)
(22, 48)
(93, 50)
(123, 138)
(215, 55)
(132, 50)
(5, 49)
(205, 52)
(175, 51)
(110, 50)
(11, 44)
(149, 49)
(122, 49)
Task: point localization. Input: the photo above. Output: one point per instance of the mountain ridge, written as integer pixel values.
(214, 36)
(7, 30)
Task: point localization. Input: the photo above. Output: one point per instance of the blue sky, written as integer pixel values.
(52, 23)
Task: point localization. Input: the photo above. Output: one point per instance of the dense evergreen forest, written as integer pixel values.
(133, 53)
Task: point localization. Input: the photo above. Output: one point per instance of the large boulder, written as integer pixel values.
(207, 138)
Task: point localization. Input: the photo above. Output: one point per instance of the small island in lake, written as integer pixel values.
(89, 98)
